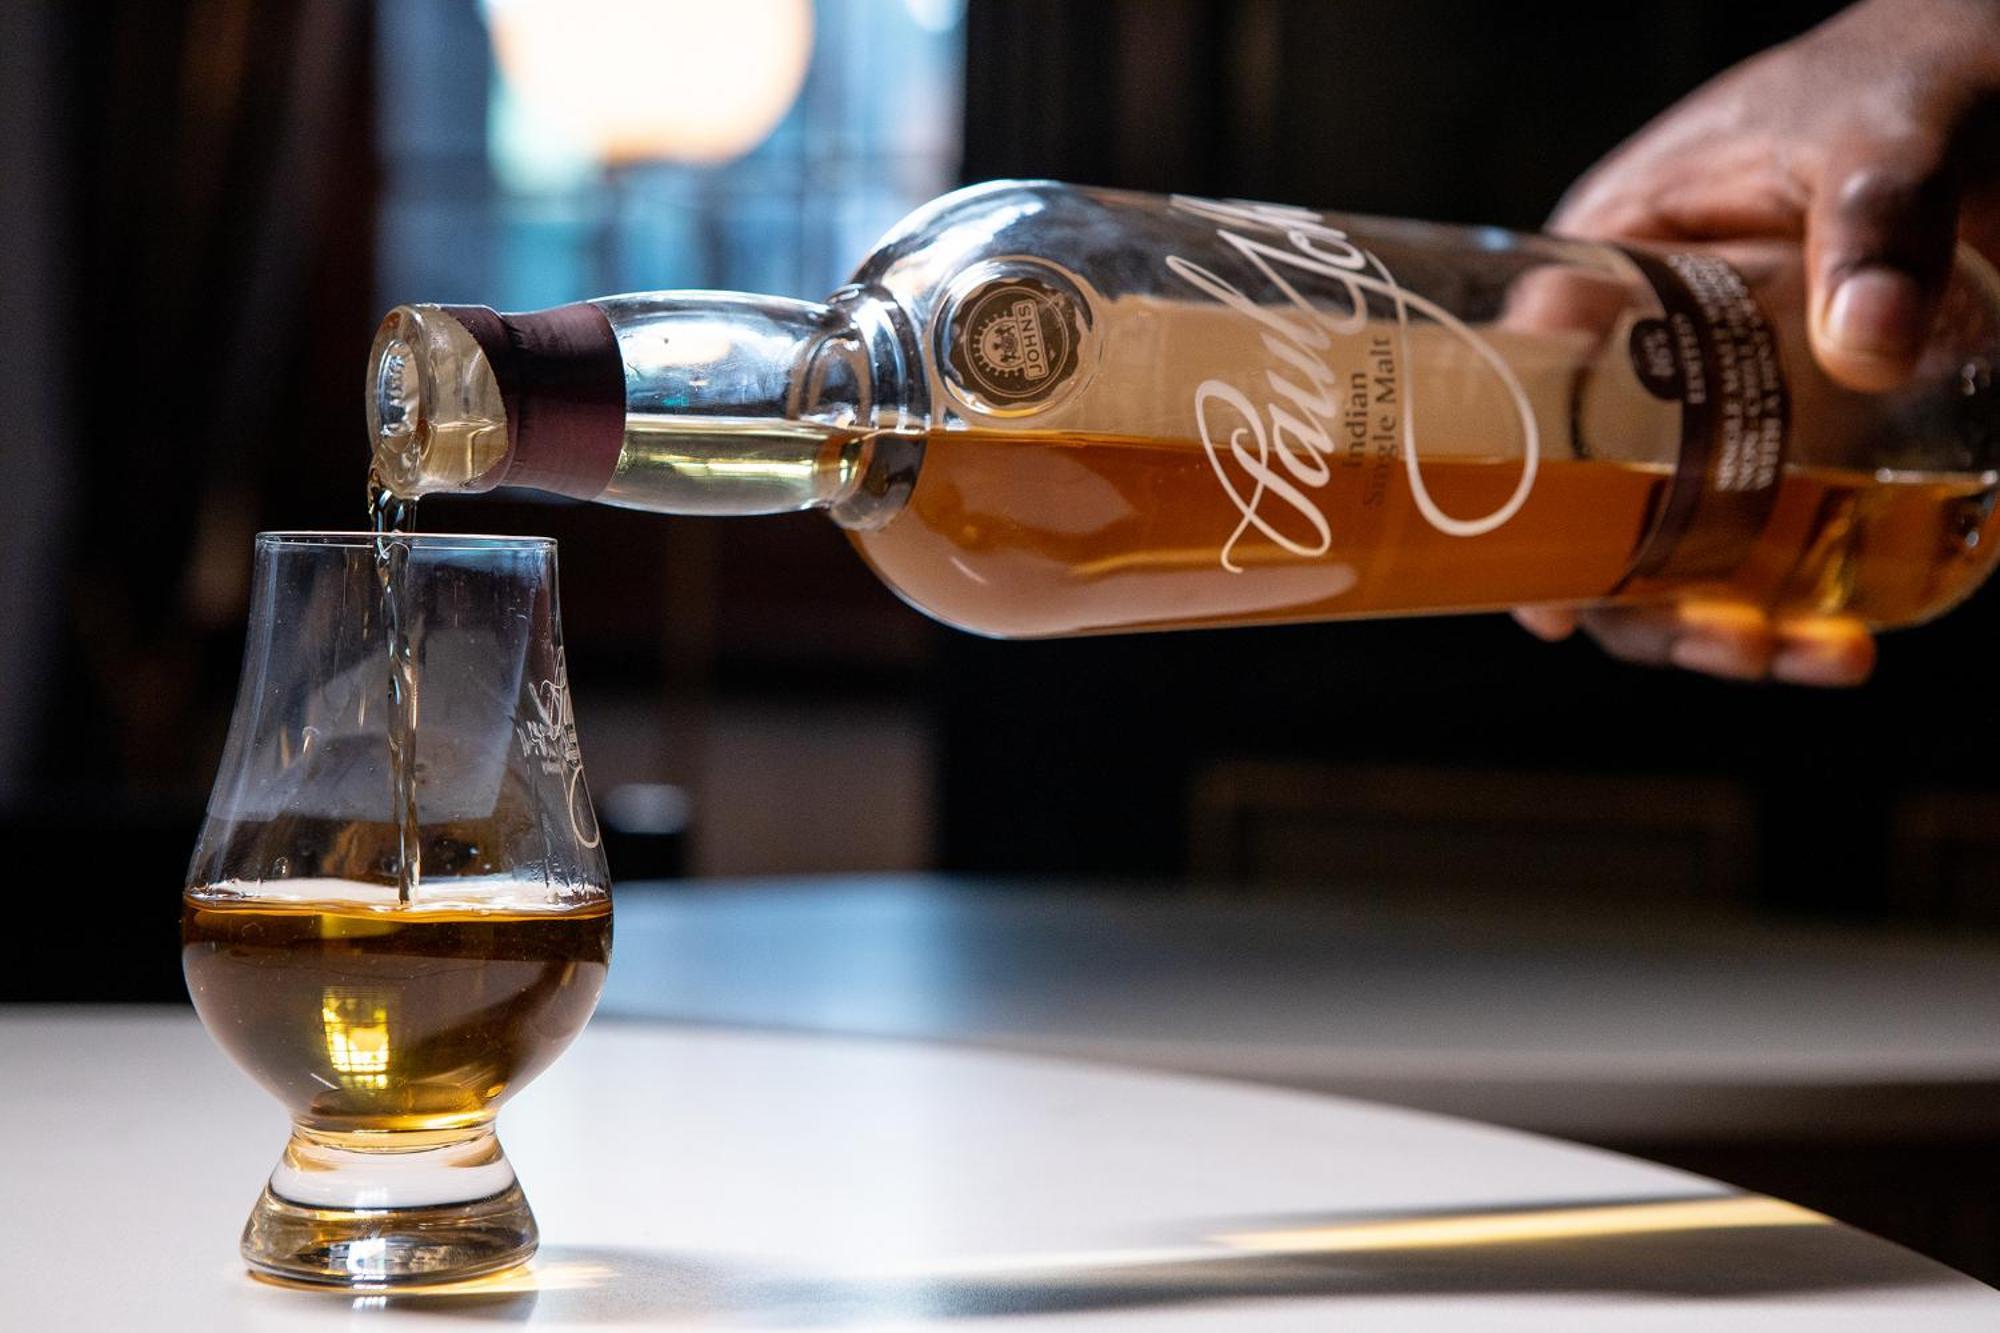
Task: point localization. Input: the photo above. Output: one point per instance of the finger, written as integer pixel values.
(1823, 650)
(1550, 624)
(1879, 236)
(1638, 634)
(1724, 639)
(1713, 188)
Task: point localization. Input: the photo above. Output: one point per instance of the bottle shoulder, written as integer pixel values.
(1112, 237)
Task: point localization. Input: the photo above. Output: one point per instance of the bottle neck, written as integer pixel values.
(680, 402)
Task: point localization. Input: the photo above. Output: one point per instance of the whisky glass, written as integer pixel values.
(392, 962)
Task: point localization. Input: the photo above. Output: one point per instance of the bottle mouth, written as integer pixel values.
(436, 421)
(396, 414)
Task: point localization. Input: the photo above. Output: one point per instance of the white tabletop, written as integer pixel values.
(712, 1178)
(1640, 1025)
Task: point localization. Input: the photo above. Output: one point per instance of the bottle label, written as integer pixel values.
(1369, 390)
(1334, 391)
(1715, 354)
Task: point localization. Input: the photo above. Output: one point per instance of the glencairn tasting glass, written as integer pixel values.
(398, 912)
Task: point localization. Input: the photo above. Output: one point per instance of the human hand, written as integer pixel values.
(1872, 137)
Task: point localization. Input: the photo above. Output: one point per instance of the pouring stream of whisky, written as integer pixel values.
(389, 516)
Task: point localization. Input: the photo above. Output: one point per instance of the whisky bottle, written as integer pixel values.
(1042, 410)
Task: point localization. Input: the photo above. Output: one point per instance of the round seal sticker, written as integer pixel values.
(1010, 343)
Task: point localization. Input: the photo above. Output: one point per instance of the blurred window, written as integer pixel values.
(540, 151)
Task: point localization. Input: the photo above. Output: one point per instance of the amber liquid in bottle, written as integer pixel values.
(1032, 534)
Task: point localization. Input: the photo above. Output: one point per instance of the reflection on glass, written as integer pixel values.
(357, 1039)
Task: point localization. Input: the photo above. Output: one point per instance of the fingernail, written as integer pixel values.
(1874, 312)
(1546, 624)
(1714, 657)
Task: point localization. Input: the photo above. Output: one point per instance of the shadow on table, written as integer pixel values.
(1707, 1247)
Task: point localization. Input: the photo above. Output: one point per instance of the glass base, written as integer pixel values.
(405, 1209)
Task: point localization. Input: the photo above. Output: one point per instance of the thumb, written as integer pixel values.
(1879, 238)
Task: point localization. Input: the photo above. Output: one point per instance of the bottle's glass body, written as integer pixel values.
(393, 1009)
(1048, 410)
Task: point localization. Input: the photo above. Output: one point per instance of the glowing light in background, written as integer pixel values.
(536, 151)
(692, 81)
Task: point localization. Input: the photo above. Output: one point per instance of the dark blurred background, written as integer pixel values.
(205, 204)
(208, 202)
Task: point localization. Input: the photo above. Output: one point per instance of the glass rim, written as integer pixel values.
(434, 541)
